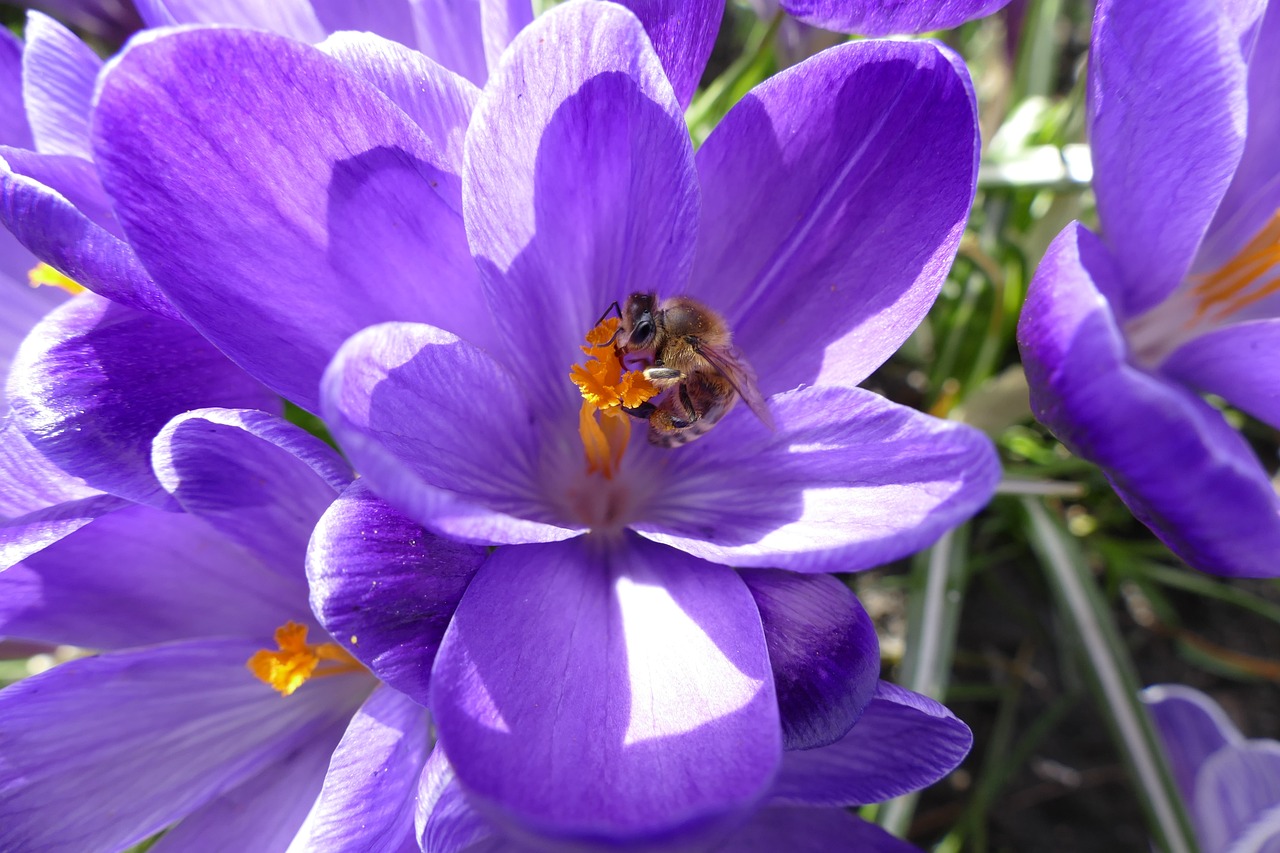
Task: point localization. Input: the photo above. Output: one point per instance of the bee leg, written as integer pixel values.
(663, 377)
(642, 411)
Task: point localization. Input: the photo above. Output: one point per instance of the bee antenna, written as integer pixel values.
(615, 308)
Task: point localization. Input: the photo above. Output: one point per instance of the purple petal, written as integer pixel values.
(390, 19)
(835, 195)
(1236, 363)
(808, 830)
(137, 575)
(849, 480)
(683, 33)
(1167, 92)
(32, 482)
(386, 587)
(607, 689)
(100, 753)
(29, 533)
(1171, 457)
(442, 432)
(58, 76)
(889, 17)
(902, 743)
(1192, 727)
(439, 101)
(260, 481)
(367, 804)
(14, 129)
(328, 212)
(293, 18)
(24, 304)
(452, 34)
(1263, 835)
(501, 20)
(448, 822)
(95, 381)
(824, 653)
(579, 187)
(1234, 788)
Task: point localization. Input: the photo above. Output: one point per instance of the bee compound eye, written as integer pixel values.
(642, 333)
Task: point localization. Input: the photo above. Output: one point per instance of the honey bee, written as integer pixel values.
(690, 355)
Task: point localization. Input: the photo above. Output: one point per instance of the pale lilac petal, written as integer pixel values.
(797, 829)
(24, 304)
(391, 19)
(439, 101)
(1262, 836)
(293, 18)
(27, 534)
(367, 804)
(257, 479)
(607, 690)
(451, 32)
(14, 129)
(133, 575)
(447, 820)
(428, 420)
(32, 482)
(823, 650)
(313, 214)
(834, 196)
(95, 381)
(683, 33)
(579, 187)
(100, 753)
(1235, 787)
(386, 587)
(500, 21)
(1167, 107)
(848, 481)
(1192, 727)
(902, 743)
(58, 76)
(889, 17)
(1237, 363)
(1182, 470)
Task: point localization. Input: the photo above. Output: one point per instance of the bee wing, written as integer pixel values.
(733, 367)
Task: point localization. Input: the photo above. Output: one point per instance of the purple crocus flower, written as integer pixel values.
(605, 676)
(1121, 333)
(1231, 785)
(888, 17)
(168, 723)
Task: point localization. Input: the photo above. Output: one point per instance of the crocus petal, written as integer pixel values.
(579, 187)
(903, 742)
(848, 481)
(24, 305)
(134, 575)
(102, 752)
(367, 804)
(808, 830)
(610, 690)
(14, 129)
(1236, 363)
(1171, 457)
(501, 20)
(32, 482)
(823, 650)
(452, 34)
(1261, 836)
(293, 18)
(1168, 105)
(31, 532)
(446, 819)
(58, 76)
(1234, 788)
(834, 195)
(255, 478)
(683, 33)
(313, 213)
(95, 381)
(428, 419)
(391, 19)
(1192, 727)
(386, 587)
(438, 100)
(889, 17)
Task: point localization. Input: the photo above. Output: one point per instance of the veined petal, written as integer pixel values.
(24, 305)
(390, 19)
(312, 214)
(1192, 727)
(58, 76)
(501, 20)
(447, 821)
(1237, 363)
(385, 587)
(889, 17)
(834, 195)
(293, 18)
(30, 532)
(451, 32)
(848, 481)
(579, 187)
(1182, 470)
(607, 690)
(14, 129)
(1167, 109)
(1236, 787)
(95, 381)
(902, 743)
(32, 482)
(683, 33)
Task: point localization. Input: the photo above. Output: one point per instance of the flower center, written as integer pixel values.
(43, 274)
(296, 660)
(608, 388)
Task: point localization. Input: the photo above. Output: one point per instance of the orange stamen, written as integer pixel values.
(1235, 285)
(607, 386)
(296, 661)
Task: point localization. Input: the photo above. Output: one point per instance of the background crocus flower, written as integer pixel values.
(888, 17)
(1121, 333)
(1231, 785)
(168, 723)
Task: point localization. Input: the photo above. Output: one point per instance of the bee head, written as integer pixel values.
(638, 317)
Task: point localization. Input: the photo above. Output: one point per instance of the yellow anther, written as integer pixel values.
(296, 661)
(1235, 285)
(607, 386)
(43, 274)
